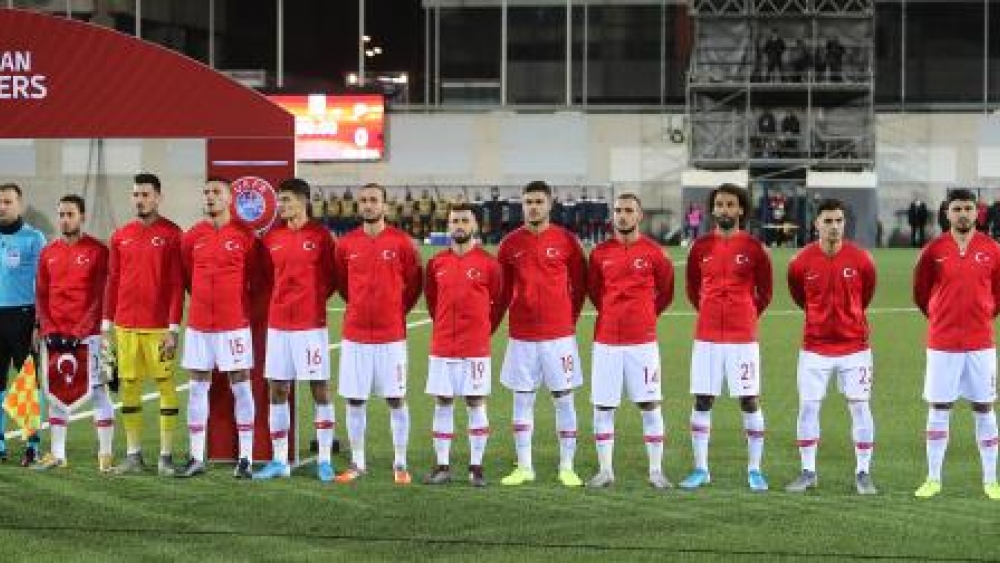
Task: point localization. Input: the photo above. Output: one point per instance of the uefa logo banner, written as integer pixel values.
(255, 203)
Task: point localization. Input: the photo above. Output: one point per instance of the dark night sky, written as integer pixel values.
(321, 38)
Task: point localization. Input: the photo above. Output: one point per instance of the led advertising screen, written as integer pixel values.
(337, 128)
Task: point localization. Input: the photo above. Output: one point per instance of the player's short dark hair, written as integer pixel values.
(75, 200)
(465, 206)
(147, 178)
(218, 179)
(960, 194)
(538, 186)
(830, 204)
(296, 186)
(11, 187)
(376, 186)
(741, 194)
(632, 196)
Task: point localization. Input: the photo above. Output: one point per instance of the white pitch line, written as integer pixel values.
(184, 387)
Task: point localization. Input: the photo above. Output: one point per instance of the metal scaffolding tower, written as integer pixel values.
(782, 86)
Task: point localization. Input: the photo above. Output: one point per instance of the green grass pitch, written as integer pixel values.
(78, 515)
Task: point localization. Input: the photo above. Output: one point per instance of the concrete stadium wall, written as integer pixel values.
(917, 154)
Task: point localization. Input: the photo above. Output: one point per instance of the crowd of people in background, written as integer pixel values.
(421, 215)
(777, 62)
(918, 217)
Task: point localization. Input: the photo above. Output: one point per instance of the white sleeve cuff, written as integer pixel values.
(175, 328)
(106, 325)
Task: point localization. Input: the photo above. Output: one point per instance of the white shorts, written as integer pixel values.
(459, 377)
(230, 350)
(556, 363)
(302, 355)
(854, 375)
(372, 369)
(738, 364)
(636, 367)
(967, 375)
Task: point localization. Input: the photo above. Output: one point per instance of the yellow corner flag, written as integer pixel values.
(21, 402)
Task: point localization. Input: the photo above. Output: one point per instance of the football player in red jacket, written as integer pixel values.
(833, 281)
(956, 285)
(729, 284)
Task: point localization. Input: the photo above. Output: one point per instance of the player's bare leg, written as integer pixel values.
(443, 431)
(701, 432)
(479, 433)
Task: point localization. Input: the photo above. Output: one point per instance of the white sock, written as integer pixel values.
(566, 426)
(807, 433)
(604, 438)
(444, 431)
(986, 438)
(324, 423)
(863, 432)
(399, 420)
(278, 419)
(245, 411)
(937, 441)
(104, 420)
(523, 424)
(197, 417)
(653, 435)
(701, 432)
(753, 425)
(479, 434)
(357, 421)
(58, 419)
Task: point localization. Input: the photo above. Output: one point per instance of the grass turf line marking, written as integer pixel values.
(183, 387)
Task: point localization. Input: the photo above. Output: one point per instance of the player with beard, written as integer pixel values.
(956, 285)
(378, 275)
(143, 304)
(463, 291)
(72, 272)
(221, 258)
(631, 282)
(729, 284)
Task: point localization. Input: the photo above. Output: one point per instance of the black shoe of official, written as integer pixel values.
(29, 457)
